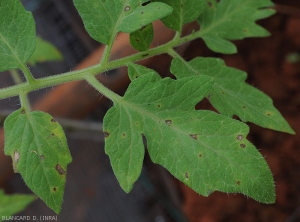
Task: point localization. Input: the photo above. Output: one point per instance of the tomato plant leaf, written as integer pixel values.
(227, 20)
(204, 150)
(230, 95)
(17, 34)
(13, 204)
(44, 52)
(185, 11)
(104, 19)
(142, 38)
(39, 150)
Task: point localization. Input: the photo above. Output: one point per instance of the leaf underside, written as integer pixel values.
(204, 150)
(230, 95)
(227, 20)
(17, 34)
(38, 147)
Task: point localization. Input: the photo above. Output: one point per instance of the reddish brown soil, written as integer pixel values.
(265, 62)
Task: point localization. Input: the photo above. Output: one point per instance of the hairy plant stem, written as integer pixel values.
(105, 65)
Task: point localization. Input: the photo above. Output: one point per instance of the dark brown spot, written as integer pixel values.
(123, 134)
(186, 175)
(146, 3)
(194, 136)
(200, 155)
(53, 120)
(59, 169)
(168, 122)
(158, 106)
(54, 189)
(209, 4)
(242, 145)
(238, 182)
(244, 107)
(106, 134)
(218, 1)
(239, 137)
(142, 13)
(127, 8)
(42, 157)
(143, 27)
(137, 41)
(144, 55)
(268, 114)
(245, 30)
(23, 111)
(223, 93)
(52, 134)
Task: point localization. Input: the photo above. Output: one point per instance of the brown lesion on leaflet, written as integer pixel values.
(59, 169)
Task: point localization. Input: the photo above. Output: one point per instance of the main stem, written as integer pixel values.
(35, 84)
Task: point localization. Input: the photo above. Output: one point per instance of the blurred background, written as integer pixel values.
(92, 193)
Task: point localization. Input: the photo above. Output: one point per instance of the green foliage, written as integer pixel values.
(13, 204)
(39, 150)
(17, 35)
(205, 150)
(230, 95)
(43, 52)
(232, 20)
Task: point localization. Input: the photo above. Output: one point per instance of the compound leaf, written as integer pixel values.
(142, 38)
(204, 150)
(38, 147)
(17, 34)
(230, 95)
(13, 204)
(232, 20)
(104, 19)
(185, 11)
(44, 52)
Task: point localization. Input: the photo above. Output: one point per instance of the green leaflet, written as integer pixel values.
(13, 204)
(44, 52)
(232, 20)
(17, 34)
(39, 150)
(142, 38)
(104, 19)
(206, 151)
(230, 95)
(184, 11)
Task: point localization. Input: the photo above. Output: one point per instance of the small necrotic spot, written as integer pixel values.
(127, 8)
(54, 189)
(186, 175)
(52, 134)
(106, 134)
(53, 120)
(168, 122)
(16, 156)
(200, 155)
(59, 169)
(158, 105)
(123, 134)
(223, 93)
(209, 4)
(239, 137)
(238, 182)
(42, 157)
(141, 14)
(194, 136)
(244, 107)
(23, 111)
(268, 114)
(242, 145)
(218, 1)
